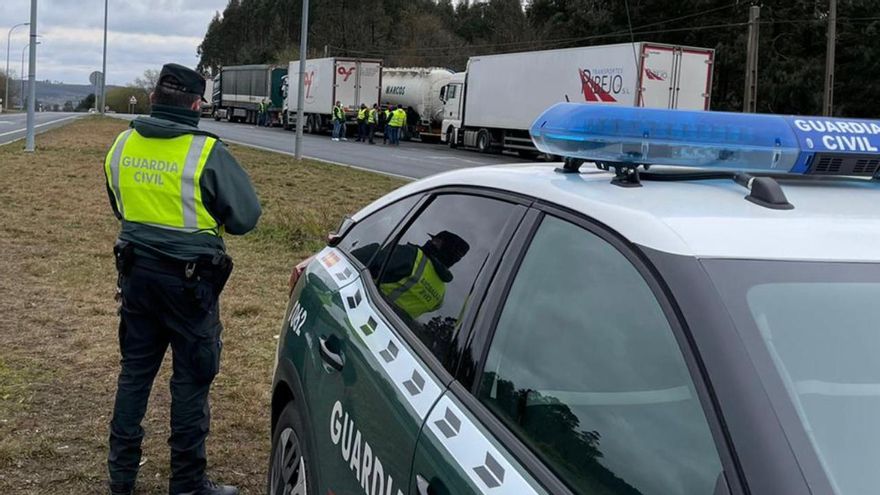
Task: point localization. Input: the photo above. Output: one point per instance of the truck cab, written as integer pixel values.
(452, 96)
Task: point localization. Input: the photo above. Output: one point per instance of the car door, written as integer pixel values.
(576, 383)
(345, 390)
(373, 380)
(468, 247)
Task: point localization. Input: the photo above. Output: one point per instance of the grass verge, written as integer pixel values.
(58, 342)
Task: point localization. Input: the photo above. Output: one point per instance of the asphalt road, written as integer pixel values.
(412, 160)
(13, 126)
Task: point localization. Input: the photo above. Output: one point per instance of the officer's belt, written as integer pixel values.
(165, 265)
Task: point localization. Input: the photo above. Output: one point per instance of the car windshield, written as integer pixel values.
(818, 326)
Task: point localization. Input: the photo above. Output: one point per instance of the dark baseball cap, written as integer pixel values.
(183, 79)
(451, 245)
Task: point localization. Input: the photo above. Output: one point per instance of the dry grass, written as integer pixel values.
(58, 343)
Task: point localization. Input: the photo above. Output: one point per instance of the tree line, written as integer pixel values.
(445, 33)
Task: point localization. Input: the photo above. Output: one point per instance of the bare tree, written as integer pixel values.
(148, 81)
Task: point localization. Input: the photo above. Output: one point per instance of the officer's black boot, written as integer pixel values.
(211, 488)
(118, 489)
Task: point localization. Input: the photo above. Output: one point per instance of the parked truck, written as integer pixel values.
(238, 91)
(351, 81)
(491, 106)
(417, 88)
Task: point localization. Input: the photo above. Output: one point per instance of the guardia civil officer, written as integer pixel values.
(177, 190)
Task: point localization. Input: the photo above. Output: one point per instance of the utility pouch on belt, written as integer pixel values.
(123, 252)
(221, 265)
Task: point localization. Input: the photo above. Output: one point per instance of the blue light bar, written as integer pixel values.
(717, 140)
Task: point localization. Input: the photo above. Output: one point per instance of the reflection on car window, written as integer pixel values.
(367, 236)
(429, 274)
(584, 367)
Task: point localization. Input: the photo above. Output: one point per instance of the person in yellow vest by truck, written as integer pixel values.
(362, 123)
(372, 118)
(339, 122)
(398, 120)
(176, 190)
(384, 123)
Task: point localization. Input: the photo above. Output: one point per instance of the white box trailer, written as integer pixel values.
(492, 105)
(351, 81)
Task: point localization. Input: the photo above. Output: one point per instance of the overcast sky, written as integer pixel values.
(143, 34)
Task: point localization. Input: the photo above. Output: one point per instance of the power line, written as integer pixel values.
(535, 42)
(635, 30)
(549, 43)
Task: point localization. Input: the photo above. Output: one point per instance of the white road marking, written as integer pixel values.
(41, 125)
(264, 148)
(435, 157)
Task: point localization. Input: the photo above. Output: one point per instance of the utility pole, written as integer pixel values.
(6, 74)
(750, 96)
(828, 97)
(300, 96)
(104, 68)
(32, 79)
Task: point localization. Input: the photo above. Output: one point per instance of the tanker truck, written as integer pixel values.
(417, 88)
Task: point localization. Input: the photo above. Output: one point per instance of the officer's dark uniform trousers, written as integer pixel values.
(161, 306)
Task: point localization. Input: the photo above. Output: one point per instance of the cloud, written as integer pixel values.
(142, 34)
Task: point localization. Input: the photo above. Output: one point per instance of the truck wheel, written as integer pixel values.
(216, 116)
(285, 121)
(291, 458)
(483, 141)
(450, 138)
(312, 125)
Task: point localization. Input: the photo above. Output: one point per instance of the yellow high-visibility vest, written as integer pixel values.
(155, 181)
(398, 118)
(338, 113)
(362, 114)
(371, 116)
(422, 291)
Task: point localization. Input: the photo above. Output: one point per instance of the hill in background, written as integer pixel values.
(51, 93)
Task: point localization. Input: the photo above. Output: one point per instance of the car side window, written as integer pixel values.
(366, 237)
(430, 273)
(585, 369)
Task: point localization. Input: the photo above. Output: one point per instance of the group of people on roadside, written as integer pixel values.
(387, 119)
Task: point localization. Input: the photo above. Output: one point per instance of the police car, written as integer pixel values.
(688, 305)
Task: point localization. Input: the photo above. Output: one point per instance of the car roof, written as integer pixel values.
(832, 220)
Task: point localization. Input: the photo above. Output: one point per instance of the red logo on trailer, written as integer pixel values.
(346, 73)
(309, 78)
(592, 91)
(655, 76)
